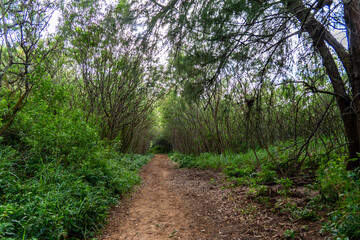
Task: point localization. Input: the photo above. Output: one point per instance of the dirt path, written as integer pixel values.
(156, 210)
(192, 204)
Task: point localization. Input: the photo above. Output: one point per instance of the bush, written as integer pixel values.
(60, 201)
(183, 159)
(338, 189)
(68, 139)
(57, 179)
(333, 180)
(342, 188)
(233, 171)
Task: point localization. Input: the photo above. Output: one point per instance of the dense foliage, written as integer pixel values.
(67, 153)
(339, 190)
(58, 178)
(46, 200)
(264, 91)
(219, 44)
(270, 89)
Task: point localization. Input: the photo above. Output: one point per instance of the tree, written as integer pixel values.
(111, 73)
(24, 48)
(265, 37)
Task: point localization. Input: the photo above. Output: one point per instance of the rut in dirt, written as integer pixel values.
(156, 210)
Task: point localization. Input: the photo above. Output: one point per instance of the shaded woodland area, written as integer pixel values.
(266, 92)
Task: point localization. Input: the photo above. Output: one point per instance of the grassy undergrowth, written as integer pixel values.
(48, 200)
(57, 178)
(339, 190)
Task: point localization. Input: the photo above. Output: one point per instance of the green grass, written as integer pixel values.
(216, 162)
(339, 190)
(58, 201)
(57, 178)
(238, 167)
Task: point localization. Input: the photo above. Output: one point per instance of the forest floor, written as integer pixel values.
(174, 203)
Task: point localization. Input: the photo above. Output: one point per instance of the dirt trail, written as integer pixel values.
(156, 210)
(193, 204)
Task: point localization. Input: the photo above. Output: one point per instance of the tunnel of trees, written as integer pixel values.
(113, 78)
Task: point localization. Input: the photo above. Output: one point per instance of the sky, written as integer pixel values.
(54, 19)
(53, 22)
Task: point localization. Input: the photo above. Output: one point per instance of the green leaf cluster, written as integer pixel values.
(57, 178)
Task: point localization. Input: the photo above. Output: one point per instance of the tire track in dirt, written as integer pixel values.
(156, 210)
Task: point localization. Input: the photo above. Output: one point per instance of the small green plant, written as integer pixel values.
(59, 179)
(305, 228)
(286, 184)
(284, 205)
(304, 213)
(289, 234)
(340, 189)
(250, 209)
(257, 190)
(173, 234)
(267, 174)
(233, 171)
(265, 200)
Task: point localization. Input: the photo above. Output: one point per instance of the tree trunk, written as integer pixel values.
(348, 107)
(352, 19)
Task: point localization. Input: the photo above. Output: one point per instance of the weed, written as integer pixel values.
(289, 234)
(265, 200)
(267, 174)
(257, 190)
(339, 190)
(286, 184)
(304, 213)
(343, 189)
(233, 171)
(173, 234)
(62, 200)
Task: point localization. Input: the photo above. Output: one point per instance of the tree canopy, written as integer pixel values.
(263, 90)
(217, 41)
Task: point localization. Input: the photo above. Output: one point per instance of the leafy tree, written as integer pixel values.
(24, 49)
(111, 73)
(269, 38)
